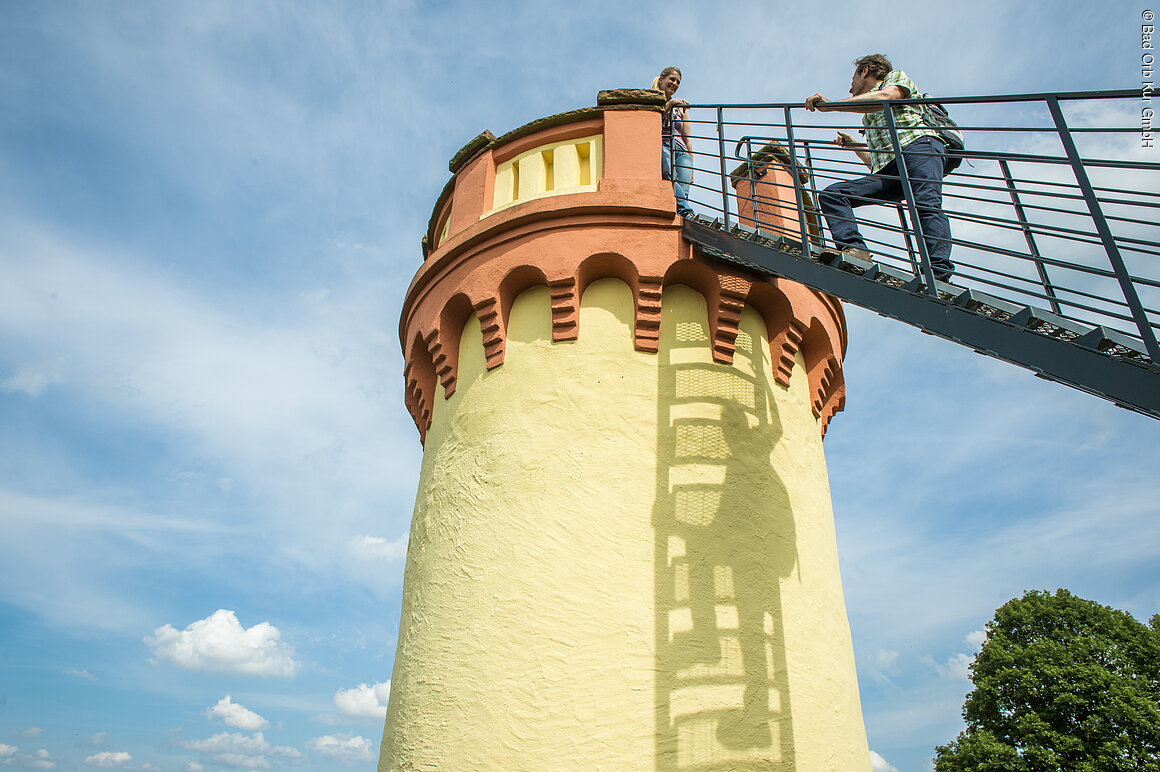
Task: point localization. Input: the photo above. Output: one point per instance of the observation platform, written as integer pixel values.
(1054, 221)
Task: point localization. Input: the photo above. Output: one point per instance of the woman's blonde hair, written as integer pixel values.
(656, 86)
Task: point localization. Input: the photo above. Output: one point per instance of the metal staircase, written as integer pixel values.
(1054, 219)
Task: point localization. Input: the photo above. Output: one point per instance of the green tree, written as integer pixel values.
(1061, 683)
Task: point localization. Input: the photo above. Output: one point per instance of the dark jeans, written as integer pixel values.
(925, 159)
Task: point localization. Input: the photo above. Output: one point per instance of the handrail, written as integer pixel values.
(988, 99)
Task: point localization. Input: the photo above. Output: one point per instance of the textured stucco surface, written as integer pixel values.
(622, 560)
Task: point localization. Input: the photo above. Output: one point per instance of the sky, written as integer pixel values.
(209, 212)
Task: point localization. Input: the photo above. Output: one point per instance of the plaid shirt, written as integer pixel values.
(907, 120)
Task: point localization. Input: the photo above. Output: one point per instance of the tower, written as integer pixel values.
(622, 554)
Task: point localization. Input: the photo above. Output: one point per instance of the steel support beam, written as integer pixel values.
(1127, 384)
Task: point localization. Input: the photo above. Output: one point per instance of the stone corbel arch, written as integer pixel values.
(784, 330)
(446, 336)
(720, 291)
(827, 383)
(605, 265)
(419, 384)
(518, 280)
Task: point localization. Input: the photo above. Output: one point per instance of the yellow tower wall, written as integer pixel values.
(630, 566)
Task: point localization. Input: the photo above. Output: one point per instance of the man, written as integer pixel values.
(923, 153)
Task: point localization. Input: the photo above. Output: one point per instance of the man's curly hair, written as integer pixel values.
(878, 64)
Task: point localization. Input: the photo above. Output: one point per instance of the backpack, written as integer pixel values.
(936, 117)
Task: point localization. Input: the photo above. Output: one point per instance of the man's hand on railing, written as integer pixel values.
(812, 102)
(847, 142)
(856, 103)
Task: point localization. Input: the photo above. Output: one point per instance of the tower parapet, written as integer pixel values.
(622, 554)
(588, 183)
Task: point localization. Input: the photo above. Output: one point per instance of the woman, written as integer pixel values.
(675, 139)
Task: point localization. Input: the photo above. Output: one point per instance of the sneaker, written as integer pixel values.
(857, 252)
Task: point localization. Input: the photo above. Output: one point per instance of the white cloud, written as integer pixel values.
(77, 589)
(233, 714)
(219, 643)
(32, 731)
(298, 408)
(885, 660)
(31, 379)
(109, 759)
(7, 750)
(42, 759)
(378, 548)
(147, 346)
(342, 747)
(241, 760)
(956, 666)
(975, 639)
(233, 742)
(193, 766)
(79, 673)
(364, 701)
(229, 742)
(879, 764)
(238, 750)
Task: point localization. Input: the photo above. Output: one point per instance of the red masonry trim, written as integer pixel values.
(626, 229)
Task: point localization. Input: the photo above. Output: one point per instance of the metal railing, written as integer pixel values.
(1056, 206)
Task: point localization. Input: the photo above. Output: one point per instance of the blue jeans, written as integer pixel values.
(925, 159)
(684, 177)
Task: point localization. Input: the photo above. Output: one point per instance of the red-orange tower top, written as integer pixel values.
(570, 199)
